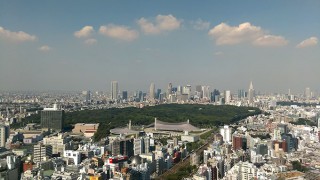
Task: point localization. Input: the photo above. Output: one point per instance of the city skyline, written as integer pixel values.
(225, 45)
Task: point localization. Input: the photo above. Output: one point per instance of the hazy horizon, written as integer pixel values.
(81, 45)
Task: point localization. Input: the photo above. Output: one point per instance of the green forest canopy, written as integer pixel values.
(199, 115)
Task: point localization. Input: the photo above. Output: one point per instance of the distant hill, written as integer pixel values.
(199, 115)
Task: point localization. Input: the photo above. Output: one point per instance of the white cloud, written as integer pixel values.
(312, 41)
(86, 31)
(16, 36)
(90, 41)
(244, 33)
(228, 35)
(270, 40)
(200, 24)
(44, 48)
(162, 23)
(118, 32)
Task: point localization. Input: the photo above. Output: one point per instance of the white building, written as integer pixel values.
(4, 135)
(74, 155)
(226, 134)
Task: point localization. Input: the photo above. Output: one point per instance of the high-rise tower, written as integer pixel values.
(152, 91)
(251, 93)
(114, 90)
(169, 89)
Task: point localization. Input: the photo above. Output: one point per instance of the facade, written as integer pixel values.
(141, 145)
(152, 91)
(122, 147)
(41, 152)
(124, 95)
(227, 97)
(226, 134)
(114, 90)
(85, 128)
(74, 156)
(59, 143)
(52, 118)
(4, 135)
(251, 94)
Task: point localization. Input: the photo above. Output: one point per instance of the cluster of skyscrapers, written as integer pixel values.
(181, 94)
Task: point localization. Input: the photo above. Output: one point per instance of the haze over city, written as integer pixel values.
(58, 45)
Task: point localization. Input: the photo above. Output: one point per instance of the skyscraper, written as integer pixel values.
(225, 131)
(114, 90)
(308, 93)
(152, 91)
(124, 95)
(205, 92)
(227, 96)
(169, 89)
(4, 135)
(251, 94)
(52, 118)
(158, 93)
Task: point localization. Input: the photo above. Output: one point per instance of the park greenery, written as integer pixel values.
(302, 121)
(296, 165)
(182, 172)
(202, 116)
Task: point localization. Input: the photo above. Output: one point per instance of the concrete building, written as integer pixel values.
(87, 129)
(41, 152)
(59, 143)
(114, 90)
(52, 118)
(4, 135)
(74, 157)
(226, 134)
(251, 94)
(152, 92)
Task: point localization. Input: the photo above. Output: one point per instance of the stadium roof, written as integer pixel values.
(182, 126)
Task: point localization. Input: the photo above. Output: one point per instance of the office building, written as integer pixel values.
(41, 152)
(87, 96)
(4, 135)
(227, 96)
(158, 94)
(114, 90)
(225, 131)
(59, 143)
(124, 95)
(169, 90)
(251, 94)
(152, 91)
(308, 93)
(205, 92)
(52, 118)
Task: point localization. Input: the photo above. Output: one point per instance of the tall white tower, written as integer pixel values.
(114, 90)
(227, 96)
(152, 91)
(226, 134)
(251, 93)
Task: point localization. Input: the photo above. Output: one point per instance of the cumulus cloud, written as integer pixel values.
(44, 48)
(200, 24)
(270, 40)
(16, 36)
(312, 41)
(244, 33)
(90, 41)
(161, 24)
(86, 31)
(119, 32)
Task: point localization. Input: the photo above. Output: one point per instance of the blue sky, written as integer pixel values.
(77, 45)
